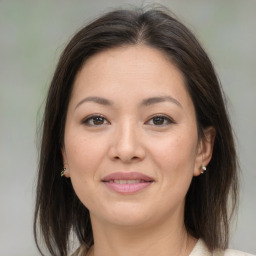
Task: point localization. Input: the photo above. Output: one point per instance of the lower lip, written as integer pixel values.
(127, 188)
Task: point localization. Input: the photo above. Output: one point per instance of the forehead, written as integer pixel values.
(129, 59)
(140, 69)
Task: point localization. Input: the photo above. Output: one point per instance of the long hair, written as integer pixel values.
(58, 211)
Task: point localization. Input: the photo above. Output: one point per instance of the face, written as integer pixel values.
(131, 146)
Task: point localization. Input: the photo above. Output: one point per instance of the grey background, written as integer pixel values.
(32, 35)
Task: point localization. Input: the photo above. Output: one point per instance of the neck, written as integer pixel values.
(160, 240)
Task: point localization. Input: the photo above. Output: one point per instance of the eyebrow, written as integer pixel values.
(154, 100)
(145, 102)
(98, 100)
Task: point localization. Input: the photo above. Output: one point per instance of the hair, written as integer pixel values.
(58, 211)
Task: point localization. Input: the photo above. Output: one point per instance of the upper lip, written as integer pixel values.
(127, 176)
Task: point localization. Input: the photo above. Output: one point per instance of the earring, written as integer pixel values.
(203, 169)
(63, 172)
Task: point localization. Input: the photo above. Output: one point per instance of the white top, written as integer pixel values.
(201, 249)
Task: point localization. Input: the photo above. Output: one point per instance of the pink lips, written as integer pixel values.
(127, 182)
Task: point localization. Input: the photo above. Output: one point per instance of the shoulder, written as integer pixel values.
(76, 253)
(79, 252)
(230, 252)
(201, 249)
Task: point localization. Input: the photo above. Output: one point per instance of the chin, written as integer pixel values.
(124, 214)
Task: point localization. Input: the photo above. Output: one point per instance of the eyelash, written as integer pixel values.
(167, 120)
(92, 118)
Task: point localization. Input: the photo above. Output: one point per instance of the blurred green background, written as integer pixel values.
(32, 35)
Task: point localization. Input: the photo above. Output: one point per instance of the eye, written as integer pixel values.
(160, 120)
(95, 120)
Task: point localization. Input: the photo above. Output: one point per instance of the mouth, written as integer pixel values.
(127, 183)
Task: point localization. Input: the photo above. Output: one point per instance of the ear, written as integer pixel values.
(204, 149)
(65, 162)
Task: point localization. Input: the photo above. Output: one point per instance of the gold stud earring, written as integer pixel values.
(203, 169)
(63, 172)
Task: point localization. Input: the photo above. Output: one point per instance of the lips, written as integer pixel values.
(127, 176)
(127, 182)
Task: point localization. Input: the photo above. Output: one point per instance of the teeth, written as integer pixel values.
(126, 181)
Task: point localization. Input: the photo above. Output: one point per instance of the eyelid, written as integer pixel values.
(91, 116)
(166, 117)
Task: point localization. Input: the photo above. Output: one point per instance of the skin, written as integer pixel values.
(128, 137)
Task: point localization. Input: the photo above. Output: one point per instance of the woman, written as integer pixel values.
(137, 153)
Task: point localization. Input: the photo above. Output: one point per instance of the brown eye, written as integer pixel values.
(95, 120)
(159, 121)
(98, 120)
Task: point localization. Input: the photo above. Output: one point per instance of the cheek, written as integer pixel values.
(82, 159)
(175, 156)
(82, 162)
(173, 159)
(82, 154)
(175, 151)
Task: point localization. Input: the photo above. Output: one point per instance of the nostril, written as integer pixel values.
(126, 159)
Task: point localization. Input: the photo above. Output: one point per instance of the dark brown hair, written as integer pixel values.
(58, 211)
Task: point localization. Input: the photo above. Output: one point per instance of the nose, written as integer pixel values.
(127, 144)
